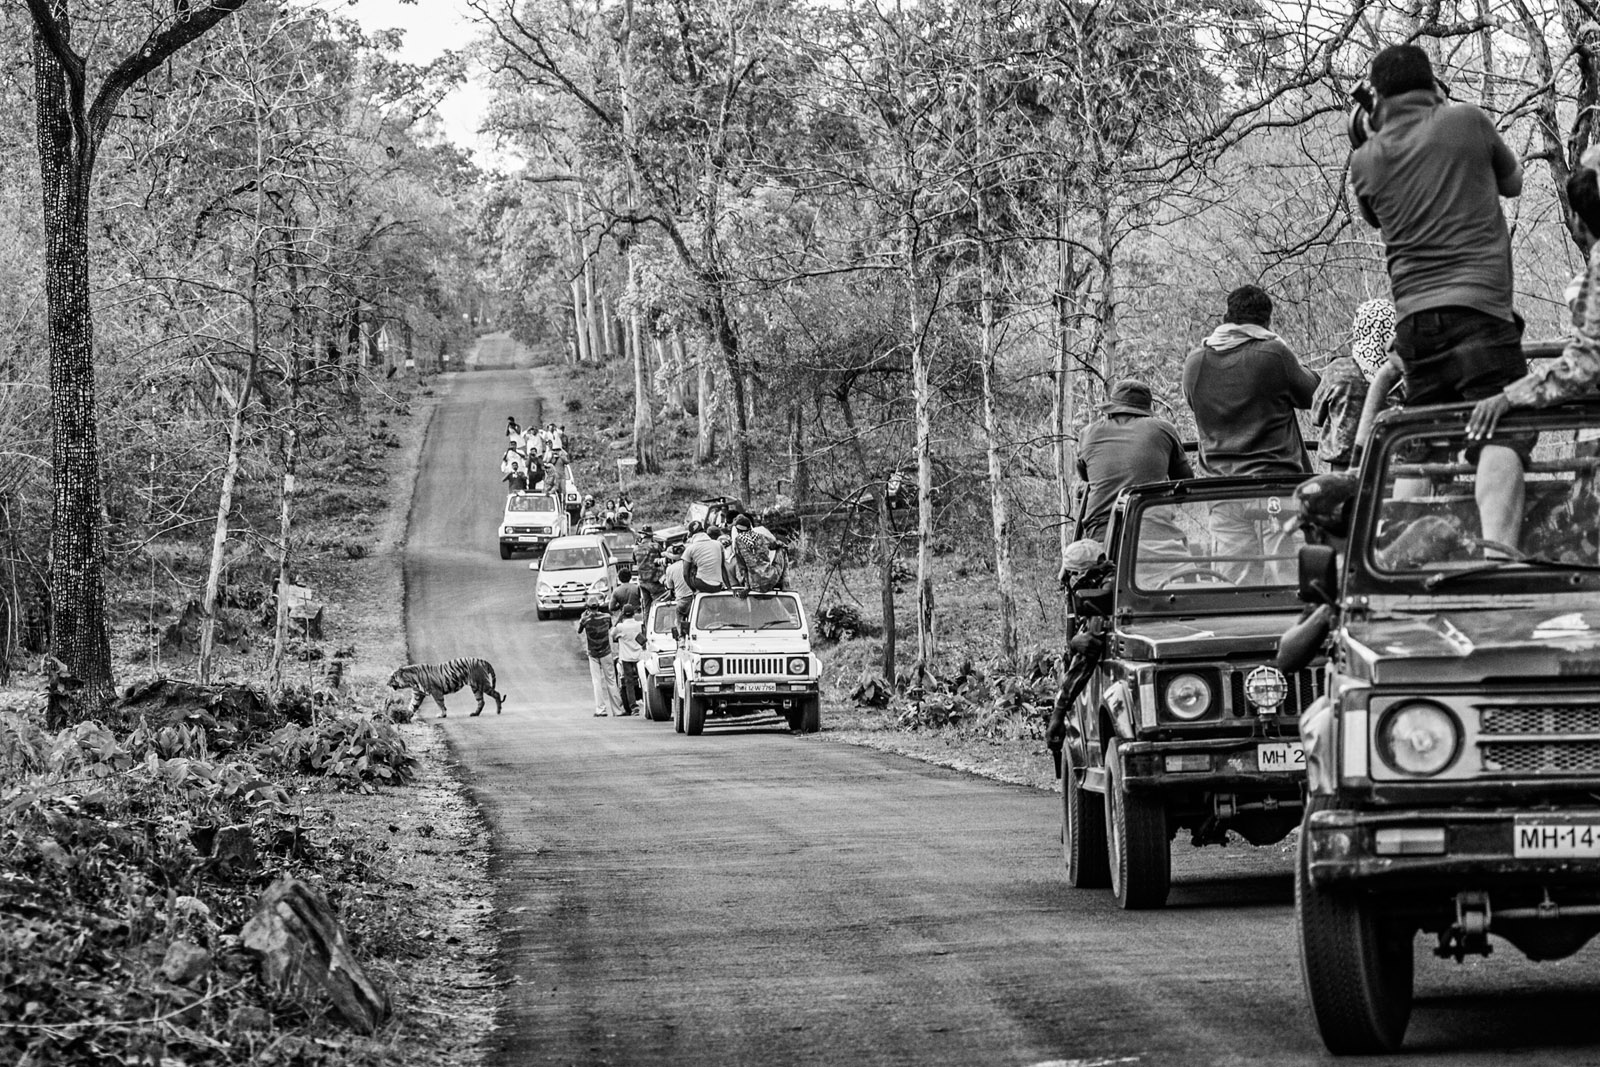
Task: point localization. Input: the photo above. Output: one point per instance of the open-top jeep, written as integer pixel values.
(742, 652)
(1454, 765)
(1186, 724)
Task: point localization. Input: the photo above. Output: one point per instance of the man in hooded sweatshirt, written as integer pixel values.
(1245, 385)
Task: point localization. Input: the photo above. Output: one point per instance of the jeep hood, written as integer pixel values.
(1213, 635)
(1469, 644)
(753, 643)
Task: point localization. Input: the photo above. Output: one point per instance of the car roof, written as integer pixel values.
(577, 541)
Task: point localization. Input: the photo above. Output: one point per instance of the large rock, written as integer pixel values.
(303, 949)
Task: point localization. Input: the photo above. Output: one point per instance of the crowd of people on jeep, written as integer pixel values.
(1449, 334)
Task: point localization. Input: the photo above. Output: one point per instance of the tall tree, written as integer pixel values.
(72, 123)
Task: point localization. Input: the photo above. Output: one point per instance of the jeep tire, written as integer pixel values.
(694, 714)
(505, 551)
(1083, 830)
(1358, 966)
(1140, 853)
(657, 707)
(677, 711)
(809, 717)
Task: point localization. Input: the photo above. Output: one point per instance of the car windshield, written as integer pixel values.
(619, 539)
(748, 613)
(530, 502)
(662, 616)
(1207, 546)
(1426, 521)
(572, 558)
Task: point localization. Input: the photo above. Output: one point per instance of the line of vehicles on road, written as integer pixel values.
(740, 653)
(1429, 720)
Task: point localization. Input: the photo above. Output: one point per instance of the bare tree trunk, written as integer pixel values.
(77, 585)
(580, 315)
(644, 420)
(728, 343)
(1001, 525)
(922, 398)
(705, 448)
(1106, 331)
(1062, 415)
(799, 462)
(885, 534)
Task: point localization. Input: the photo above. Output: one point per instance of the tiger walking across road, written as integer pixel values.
(438, 679)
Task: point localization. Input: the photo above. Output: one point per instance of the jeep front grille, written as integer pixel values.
(1540, 719)
(1540, 757)
(757, 665)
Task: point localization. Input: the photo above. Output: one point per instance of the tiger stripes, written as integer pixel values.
(438, 679)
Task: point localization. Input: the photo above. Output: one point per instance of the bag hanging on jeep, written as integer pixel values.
(768, 577)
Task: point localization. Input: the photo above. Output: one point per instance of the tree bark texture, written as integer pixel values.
(705, 446)
(1001, 519)
(922, 398)
(77, 552)
(884, 540)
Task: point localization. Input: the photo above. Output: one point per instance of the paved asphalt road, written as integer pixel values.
(761, 898)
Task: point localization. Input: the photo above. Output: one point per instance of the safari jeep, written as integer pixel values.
(530, 522)
(1454, 766)
(744, 653)
(1186, 725)
(660, 655)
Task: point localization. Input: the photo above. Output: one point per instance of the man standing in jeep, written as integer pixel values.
(1430, 175)
(1129, 446)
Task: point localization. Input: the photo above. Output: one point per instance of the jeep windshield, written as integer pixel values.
(662, 617)
(753, 612)
(1207, 544)
(1421, 531)
(524, 502)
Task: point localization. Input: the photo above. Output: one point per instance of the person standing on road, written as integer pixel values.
(1128, 446)
(1245, 385)
(1430, 174)
(595, 626)
(625, 595)
(628, 638)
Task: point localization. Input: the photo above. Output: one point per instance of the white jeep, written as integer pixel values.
(655, 668)
(745, 652)
(530, 522)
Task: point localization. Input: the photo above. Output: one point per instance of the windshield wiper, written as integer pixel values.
(1536, 562)
(776, 622)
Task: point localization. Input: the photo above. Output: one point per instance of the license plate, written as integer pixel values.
(751, 687)
(1281, 756)
(1537, 839)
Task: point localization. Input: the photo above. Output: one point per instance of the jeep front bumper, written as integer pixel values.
(1453, 848)
(1223, 765)
(753, 690)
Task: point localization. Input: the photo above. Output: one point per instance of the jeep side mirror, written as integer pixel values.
(1094, 602)
(1319, 574)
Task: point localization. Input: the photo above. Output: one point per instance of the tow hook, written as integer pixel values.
(1470, 934)
(1224, 806)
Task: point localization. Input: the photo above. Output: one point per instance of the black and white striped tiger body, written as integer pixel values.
(438, 679)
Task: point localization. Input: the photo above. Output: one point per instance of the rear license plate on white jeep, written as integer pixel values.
(1542, 839)
(751, 687)
(1281, 756)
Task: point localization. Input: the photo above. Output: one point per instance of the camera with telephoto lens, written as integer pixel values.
(1363, 117)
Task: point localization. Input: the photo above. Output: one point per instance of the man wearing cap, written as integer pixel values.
(1245, 386)
(647, 567)
(1083, 570)
(1129, 446)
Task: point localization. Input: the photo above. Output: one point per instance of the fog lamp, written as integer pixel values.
(1266, 688)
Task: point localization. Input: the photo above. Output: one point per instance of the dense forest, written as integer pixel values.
(848, 243)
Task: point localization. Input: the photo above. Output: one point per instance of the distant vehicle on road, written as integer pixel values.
(743, 653)
(656, 668)
(572, 569)
(530, 521)
(622, 543)
(1454, 765)
(1186, 723)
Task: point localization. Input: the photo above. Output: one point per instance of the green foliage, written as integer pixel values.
(356, 750)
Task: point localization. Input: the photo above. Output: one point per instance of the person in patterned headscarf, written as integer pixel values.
(1577, 371)
(1341, 393)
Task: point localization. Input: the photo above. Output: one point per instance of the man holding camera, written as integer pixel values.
(1429, 174)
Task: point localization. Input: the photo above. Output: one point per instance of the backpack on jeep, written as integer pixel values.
(766, 576)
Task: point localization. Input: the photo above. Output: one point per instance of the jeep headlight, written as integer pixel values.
(1266, 688)
(1419, 738)
(799, 665)
(710, 667)
(1188, 697)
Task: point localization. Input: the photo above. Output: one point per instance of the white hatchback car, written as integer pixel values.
(573, 569)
